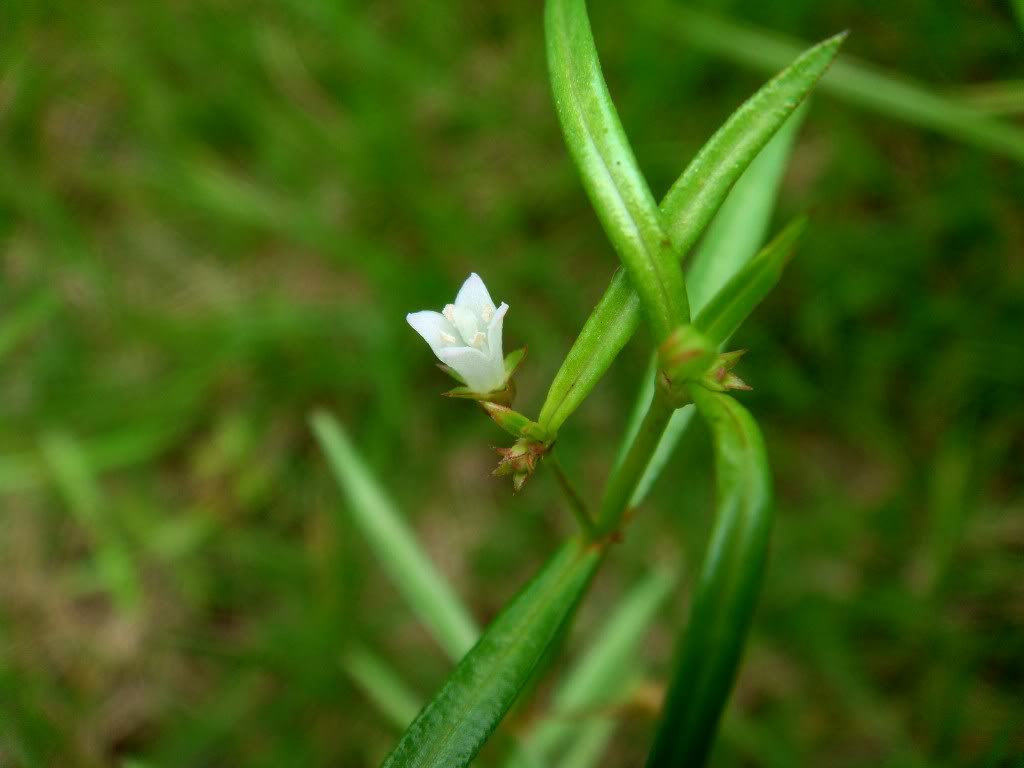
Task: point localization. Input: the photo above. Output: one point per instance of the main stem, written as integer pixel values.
(624, 480)
(576, 504)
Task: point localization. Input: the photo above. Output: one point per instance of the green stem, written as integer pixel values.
(627, 475)
(576, 503)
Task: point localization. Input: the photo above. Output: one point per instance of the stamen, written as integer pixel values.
(487, 314)
(447, 338)
(449, 313)
(478, 339)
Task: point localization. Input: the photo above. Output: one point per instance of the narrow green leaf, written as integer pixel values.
(614, 183)
(600, 677)
(727, 590)
(748, 287)
(856, 82)
(382, 686)
(612, 323)
(453, 727)
(740, 227)
(698, 193)
(722, 161)
(424, 589)
(730, 242)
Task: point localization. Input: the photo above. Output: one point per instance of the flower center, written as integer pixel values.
(471, 329)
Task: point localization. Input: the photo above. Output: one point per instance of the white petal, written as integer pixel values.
(494, 342)
(473, 296)
(474, 366)
(433, 327)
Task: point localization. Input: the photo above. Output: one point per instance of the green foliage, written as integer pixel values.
(426, 591)
(687, 210)
(112, 567)
(700, 190)
(722, 316)
(213, 218)
(732, 239)
(382, 686)
(727, 591)
(613, 181)
(858, 83)
(460, 718)
(454, 726)
(740, 226)
(602, 676)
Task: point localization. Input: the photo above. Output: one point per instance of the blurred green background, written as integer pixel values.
(214, 216)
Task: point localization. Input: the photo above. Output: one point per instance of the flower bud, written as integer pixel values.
(514, 423)
(520, 460)
(684, 356)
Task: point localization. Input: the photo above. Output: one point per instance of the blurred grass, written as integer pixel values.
(885, 93)
(213, 217)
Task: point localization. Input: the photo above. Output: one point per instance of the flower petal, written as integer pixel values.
(473, 366)
(431, 326)
(473, 296)
(494, 343)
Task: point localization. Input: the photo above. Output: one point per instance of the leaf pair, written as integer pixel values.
(684, 213)
(730, 242)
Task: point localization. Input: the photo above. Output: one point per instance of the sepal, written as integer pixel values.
(503, 396)
(513, 360)
(721, 377)
(520, 460)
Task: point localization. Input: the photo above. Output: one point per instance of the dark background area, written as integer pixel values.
(214, 217)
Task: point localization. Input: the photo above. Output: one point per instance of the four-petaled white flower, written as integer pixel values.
(467, 335)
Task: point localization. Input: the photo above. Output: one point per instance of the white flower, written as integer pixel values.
(467, 335)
